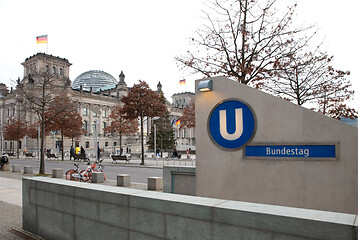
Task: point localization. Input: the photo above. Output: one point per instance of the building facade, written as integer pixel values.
(95, 93)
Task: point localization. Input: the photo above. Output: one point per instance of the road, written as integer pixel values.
(138, 173)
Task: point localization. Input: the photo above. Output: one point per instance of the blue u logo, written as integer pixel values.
(231, 124)
(238, 125)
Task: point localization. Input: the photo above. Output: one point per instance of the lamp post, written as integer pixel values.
(155, 138)
(96, 139)
(155, 141)
(38, 143)
(97, 111)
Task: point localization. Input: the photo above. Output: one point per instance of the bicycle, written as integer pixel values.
(76, 174)
(91, 169)
(85, 175)
(100, 169)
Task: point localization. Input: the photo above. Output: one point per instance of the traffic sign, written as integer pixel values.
(231, 124)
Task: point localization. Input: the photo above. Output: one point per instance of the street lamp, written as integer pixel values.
(155, 137)
(97, 111)
(206, 85)
(96, 139)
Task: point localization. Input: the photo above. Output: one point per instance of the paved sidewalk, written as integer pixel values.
(10, 217)
(11, 206)
(11, 191)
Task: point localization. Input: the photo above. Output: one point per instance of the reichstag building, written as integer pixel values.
(95, 93)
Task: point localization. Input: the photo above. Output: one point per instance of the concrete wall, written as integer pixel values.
(179, 180)
(60, 209)
(322, 185)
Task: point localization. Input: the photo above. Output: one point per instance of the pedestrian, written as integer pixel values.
(98, 153)
(72, 153)
(157, 152)
(83, 152)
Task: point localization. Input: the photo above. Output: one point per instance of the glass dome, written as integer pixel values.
(96, 79)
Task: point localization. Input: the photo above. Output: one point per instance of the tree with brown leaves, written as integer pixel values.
(120, 125)
(15, 131)
(68, 121)
(142, 102)
(242, 39)
(188, 118)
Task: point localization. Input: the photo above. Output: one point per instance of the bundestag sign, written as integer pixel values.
(232, 125)
(292, 151)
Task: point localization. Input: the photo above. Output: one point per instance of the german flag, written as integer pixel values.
(41, 39)
(182, 82)
(177, 122)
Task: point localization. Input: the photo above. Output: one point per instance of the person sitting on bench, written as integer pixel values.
(175, 153)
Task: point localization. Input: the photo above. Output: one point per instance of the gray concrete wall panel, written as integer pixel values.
(113, 214)
(180, 180)
(141, 214)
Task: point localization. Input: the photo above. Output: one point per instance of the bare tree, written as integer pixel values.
(309, 78)
(37, 92)
(243, 39)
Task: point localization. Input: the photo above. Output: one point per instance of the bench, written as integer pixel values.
(51, 155)
(136, 155)
(105, 154)
(179, 156)
(29, 155)
(116, 158)
(11, 154)
(80, 157)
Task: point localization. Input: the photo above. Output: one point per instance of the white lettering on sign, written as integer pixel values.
(238, 125)
(304, 152)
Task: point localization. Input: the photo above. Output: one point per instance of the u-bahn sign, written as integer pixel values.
(231, 124)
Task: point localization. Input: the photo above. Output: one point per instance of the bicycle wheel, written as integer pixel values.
(86, 175)
(69, 175)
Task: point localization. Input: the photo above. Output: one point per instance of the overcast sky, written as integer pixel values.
(142, 37)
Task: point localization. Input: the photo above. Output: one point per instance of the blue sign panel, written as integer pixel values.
(231, 124)
(291, 151)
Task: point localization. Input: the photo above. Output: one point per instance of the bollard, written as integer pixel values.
(28, 170)
(155, 183)
(16, 168)
(6, 167)
(57, 173)
(123, 180)
(97, 177)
